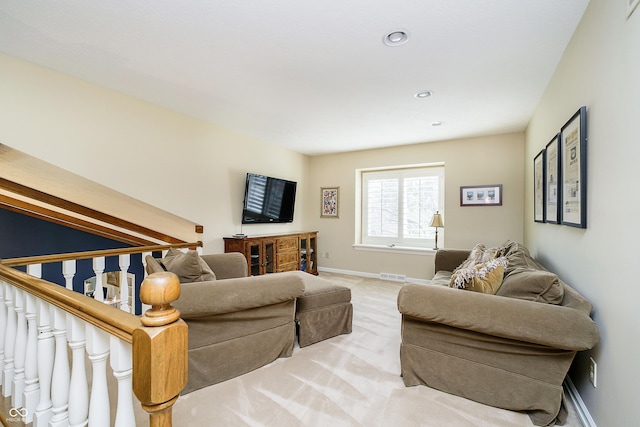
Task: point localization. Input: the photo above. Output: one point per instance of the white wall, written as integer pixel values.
(185, 166)
(473, 161)
(600, 69)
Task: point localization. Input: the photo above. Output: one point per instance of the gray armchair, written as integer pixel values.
(510, 350)
(236, 323)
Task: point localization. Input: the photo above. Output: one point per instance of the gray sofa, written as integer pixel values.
(510, 349)
(236, 323)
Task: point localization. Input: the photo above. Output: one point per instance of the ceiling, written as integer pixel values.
(314, 77)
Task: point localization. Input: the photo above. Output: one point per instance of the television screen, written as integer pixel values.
(268, 200)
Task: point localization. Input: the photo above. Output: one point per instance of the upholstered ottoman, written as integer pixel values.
(323, 311)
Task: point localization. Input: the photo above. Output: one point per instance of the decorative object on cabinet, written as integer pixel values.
(329, 201)
(573, 169)
(481, 195)
(552, 210)
(276, 253)
(539, 187)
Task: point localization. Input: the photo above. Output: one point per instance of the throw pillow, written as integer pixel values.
(153, 265)
(485, 278)
(532, 285)
(474, 258)
(189, 267)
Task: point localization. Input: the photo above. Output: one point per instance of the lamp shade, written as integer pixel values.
(437, 220)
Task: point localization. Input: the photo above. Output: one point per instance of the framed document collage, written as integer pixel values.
(560, 175)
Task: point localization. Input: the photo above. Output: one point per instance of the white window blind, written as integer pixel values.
(398, 205)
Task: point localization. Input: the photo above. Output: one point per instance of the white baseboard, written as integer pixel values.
(578, 403)
(369, 275)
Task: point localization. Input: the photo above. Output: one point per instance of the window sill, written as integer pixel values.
(394, 249)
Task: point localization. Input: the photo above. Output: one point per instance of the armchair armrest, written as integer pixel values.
(449, 259)
(200, 299)
(545, 324)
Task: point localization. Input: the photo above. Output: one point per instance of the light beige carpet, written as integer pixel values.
(349, 380)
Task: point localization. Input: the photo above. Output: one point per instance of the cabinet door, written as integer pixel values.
(269, 256)
(261, 257)
(253, 253)
(308, 253)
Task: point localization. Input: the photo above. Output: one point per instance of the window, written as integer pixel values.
(398, 205)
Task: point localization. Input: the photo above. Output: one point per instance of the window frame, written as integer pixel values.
(398, 172)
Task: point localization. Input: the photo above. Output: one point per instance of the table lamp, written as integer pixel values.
(436, 222)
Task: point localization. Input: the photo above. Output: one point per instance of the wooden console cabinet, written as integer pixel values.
(275, 253)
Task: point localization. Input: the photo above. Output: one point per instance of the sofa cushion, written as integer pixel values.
(441, 278)
(319, 293)
(189, 267)
(518, 257)
(485, 278)
(153, 265)
(533, 285)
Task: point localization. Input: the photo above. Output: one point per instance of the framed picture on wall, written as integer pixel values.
(539, 187)
(329, 202)
(481, 195)
(552, 181)
(573, 170)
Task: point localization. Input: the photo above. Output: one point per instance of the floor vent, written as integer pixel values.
(393, 277)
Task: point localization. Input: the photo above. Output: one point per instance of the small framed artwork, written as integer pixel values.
(573, 170)
(552, 180)
(329, 202)
(481, 195)
(539, 187)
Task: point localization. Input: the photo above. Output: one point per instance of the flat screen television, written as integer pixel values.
(268, 200)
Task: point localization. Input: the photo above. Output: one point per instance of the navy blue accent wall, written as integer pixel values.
(22, 236)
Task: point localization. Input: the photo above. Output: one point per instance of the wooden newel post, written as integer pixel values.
(160, 360)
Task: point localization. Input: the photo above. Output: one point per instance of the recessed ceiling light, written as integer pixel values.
(424, 94)
(396, 38)
(437, 123)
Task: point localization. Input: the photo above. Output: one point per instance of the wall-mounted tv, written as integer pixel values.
(268, 200)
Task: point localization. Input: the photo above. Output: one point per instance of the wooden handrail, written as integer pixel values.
(44, 259)
(110, 319)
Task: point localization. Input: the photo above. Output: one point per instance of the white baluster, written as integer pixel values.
(69, 271)
(79, 393)
(60, 378)
(9, 342)
(121, 363)
(125, 262)
(98, 268)
(31, 385)
(46, 350)
(20, 350)
(98, 350)
(3, 326)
